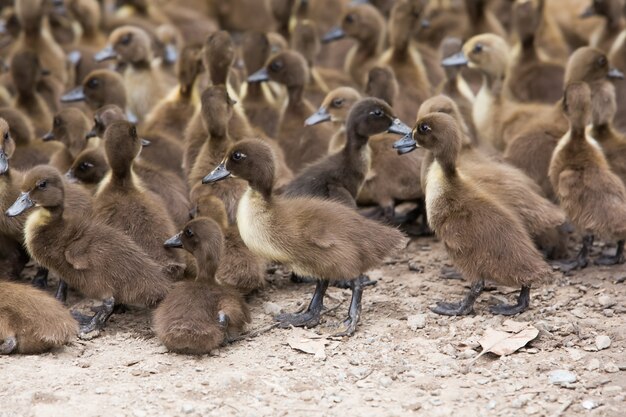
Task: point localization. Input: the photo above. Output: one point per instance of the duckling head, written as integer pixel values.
(128, 44)
(104, 117)
(370, 116)
(26, 71)
(577, 104)
(171, 40)
(122, 145)
(590, 65)
(87, 13)
(487, 52)
(444, 104)
(207, 205)
(382, 83)
(19, 127)
(437, 132)
(89, 167)
(216, 110)
(305, 40)
(362, 22)
(450, 46)
(404, 15)
(30, 13)
(252, 161)
(70, 127)
(188, 68)
(43, 187)
(218, 55)
(288, 68)
(99, 88)
(7, 146)
(335, 106)
(605, 8)
(255, 50)
(526, 18)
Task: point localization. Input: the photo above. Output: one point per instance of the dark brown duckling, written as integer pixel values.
(239, 268)
(31, 321)
(70, 127)
(617, 57)
(123, 202)
(301, 144)
(593, 197)
(382, 84)
(29, 150)
(482, 19)
(317, 238)
(340, 176)
(612, 13)
(471, 223)
(218, 55)
(98, 260)
(199, 316)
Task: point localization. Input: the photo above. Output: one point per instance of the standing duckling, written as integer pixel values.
(31, 321)
(99, 261)
(29, 150)
(484, 238)
(198, 316)
(317, 238)
(592, 196)
(70, 127)
(611, 10)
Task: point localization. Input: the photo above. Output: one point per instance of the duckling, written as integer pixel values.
(31, 321)
(301, 144)
(482, 19)
(531, 78)
(29, 150)
(366, 25)
(123, 202)
(593, 197)
(239, 268)
(617, 57)
(241, 15)
(258, 102)
(87, 13)
(26, 72)
(99, 88)
(443, 19)
(145, 83)
(471, 223)
(340, 176)
(612, 13)
(317, 238)
(10, 181)
(217, 108)
(382, 84)
(88, 169)
(70, 127)
(98, 260)
(198, 316)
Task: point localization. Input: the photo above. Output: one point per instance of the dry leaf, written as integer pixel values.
(513, 336)
(308, 342)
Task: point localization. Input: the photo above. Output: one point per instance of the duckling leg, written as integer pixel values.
(61, 293)
(581, 259)
(40, 280)
(618, 258)
(99, 319)
(8, 346)
(464, 307)
(364, 281)
(354, 313)
(311, 317)
(523, 301)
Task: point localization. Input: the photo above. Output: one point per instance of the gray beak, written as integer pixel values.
(174, 242)
(589, 12)
(4, 163)
(259, 76)
(457, 60)
(425, 23)
(74, 57)
(22, 204)
(406, 144)
(145, 142)
(48, 137)
(319, 116)
(615, 74)
(399, 128)
(77, 94)
(91, 134)
(217, 174)
(333, 35)
(105, 54)
(69, 177)
(171, 53)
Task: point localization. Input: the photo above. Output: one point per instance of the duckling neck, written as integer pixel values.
(206, 270)
(141, 65)
(448, 165)
(577, 132)
(295, 94)
(122, 176)
(368, 47)
(355, 143)
(529, 51)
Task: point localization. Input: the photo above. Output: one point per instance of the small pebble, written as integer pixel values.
(417, 321)
(603, 342)
(271, 309)
(385, 382)
(593, 365)
(562, 377)
(491, 405)
(100, 390)
(589, 404)
(188, 408)
(611, 368)
(606, 301)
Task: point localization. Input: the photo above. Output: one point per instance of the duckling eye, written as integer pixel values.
(276, 66)
(132, 131)
(424, 128)
(350, 18)
(7, 136)
(93, 83)
(56, 122)
(602, 62)
(377, 113)
(84, 166)
(125, 40)
(42, 185)
(189, 233)
(238, 156)
(478, 48)
(338, 102)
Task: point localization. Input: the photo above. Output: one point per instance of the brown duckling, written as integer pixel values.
(316, 238)
(593, 197)
(473, 224)
(617, 57)
(531, 78)
(198, 316)
(31, 321)
(301, 144)
(612, 13)
(29, 150)
(98, 260)
(10, 181)
(340, 176)
(482, 19)
(70, 127)
(123, 202)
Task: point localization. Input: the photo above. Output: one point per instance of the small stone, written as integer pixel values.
(412, 405)
(385, 382)
(603, 342)
(306, 396)
(100, 390)
(593, 365)
(589, 404)
(188, 408)
(417, 321)
(139, 413)
(436, 401)
(611, 368)
(606, 301)
(271, 309)
(612, 389)
(443, 371)
(608, 312)
(449, 350)
(579, 313)
(491, 405)
(467, 353)
(562, 377)
(360, 372)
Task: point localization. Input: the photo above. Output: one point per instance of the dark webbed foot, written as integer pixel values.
(523, 301)
(464, 307)
(311, 317)
(8, 346)
(616, 259)
(61, 293)
(345, 284)
(580, 261)
(354, 313)
(91, 326)
(40, 280)
(81, 318)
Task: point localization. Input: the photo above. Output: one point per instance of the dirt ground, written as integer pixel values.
(403, 360)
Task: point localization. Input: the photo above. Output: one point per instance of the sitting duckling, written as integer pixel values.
(485, 239)
(29, 151)
(198, 316)
(592, 196)
(31, 321)
(97, 260)
(317, 238)
(70, 127)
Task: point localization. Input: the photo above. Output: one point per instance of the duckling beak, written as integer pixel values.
(4, 163)
(425, 24)
(145, 142)
(105, 54)
(48, 137)
(69, 177)
(457, 60)
(320, 116)
(174, 242)
(22, 204)
(333, 35)
(171, 53)
(131, 117)
(91, 134)
(45, 72)
(259, 76)
(77, 94)
(406, 144)
(615, 74)
(74, 57)
(217, 174)
(399, 128)
(589, 12)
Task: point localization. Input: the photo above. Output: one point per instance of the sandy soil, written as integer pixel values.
(403, 360)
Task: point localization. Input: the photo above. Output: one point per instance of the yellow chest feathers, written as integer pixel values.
(38, 218)
(435, 187)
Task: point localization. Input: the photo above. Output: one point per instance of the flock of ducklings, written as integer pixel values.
(130, 129)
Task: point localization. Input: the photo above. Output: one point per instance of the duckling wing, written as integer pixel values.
(77, 254)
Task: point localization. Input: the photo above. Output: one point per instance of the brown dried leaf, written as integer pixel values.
(513, 336)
